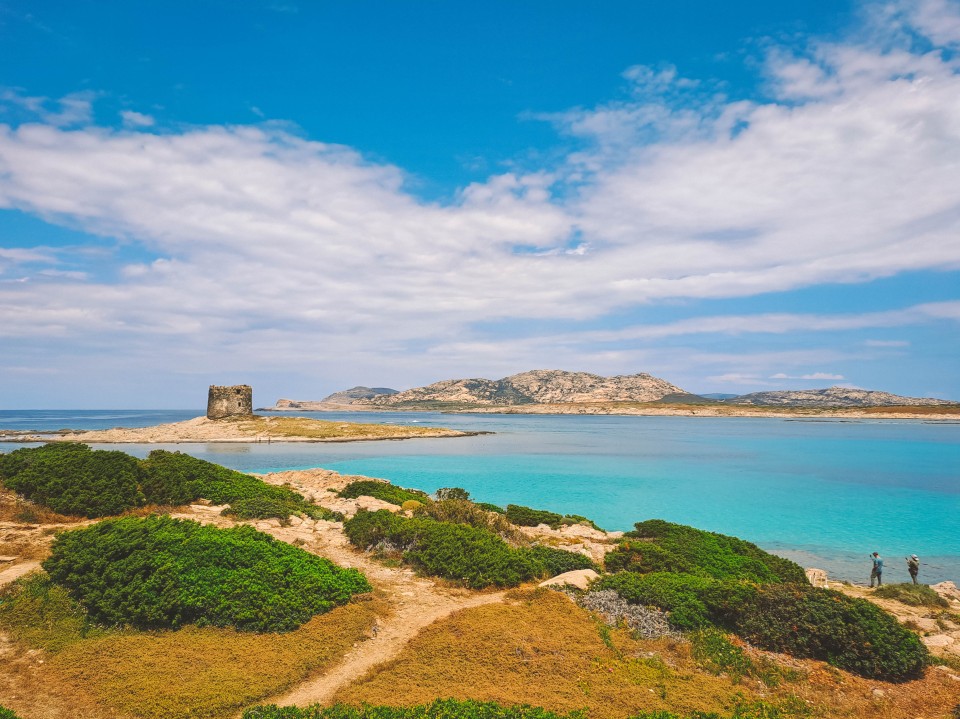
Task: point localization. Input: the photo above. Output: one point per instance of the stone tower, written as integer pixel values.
(236, 401)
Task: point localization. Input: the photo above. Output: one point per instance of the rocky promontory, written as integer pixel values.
(834, 397)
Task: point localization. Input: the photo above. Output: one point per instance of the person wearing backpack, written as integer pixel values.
(913, 566)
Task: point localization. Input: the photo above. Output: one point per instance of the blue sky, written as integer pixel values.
(309, 196)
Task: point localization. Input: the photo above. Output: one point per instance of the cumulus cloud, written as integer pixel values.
(258, 239)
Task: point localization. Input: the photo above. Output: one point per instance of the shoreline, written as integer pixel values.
(640, 409)
(242, 430)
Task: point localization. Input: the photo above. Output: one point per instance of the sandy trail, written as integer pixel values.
(11, 574)
(415, 602)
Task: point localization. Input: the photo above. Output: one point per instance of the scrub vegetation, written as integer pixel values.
(705, 579)
(73, 479)
(159, 572)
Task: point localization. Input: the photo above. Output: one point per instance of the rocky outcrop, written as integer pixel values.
(349, 396)
(833, 397)
(536, 387)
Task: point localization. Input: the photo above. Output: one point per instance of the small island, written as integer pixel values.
(230, 419)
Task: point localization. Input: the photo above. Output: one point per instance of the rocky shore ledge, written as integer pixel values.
(237, 429)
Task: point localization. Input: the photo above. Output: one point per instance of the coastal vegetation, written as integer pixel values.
(383, 491)
(159, 572)
(659, 546)
(914, 595)
(705, 579)
(72, 479)
(161, 617)
(475, 556)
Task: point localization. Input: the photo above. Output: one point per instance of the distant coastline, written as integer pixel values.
(939, 413)
(240, 429)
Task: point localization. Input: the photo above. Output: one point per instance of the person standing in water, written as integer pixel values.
(913, 566)
(877, 571)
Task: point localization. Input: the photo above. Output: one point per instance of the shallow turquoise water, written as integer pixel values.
(826, 493)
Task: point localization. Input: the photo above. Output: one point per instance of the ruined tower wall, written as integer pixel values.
(235, 401)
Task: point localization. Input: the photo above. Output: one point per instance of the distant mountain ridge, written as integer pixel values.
(832, 397)
(558, 387)
(536, 387)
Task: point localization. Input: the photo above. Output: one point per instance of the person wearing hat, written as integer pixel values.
(913, 566)
(877, 571)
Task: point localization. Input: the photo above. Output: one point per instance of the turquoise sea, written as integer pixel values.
(825, 493)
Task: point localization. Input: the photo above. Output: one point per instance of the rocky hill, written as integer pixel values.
(535, 387)
(349, 396)
(832, 397)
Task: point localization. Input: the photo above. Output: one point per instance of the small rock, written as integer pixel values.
(878, 693)
(579, 578)
(937, 640)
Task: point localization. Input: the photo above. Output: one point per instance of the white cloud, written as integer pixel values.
(134, 119)
(261, 240)
(812, 375)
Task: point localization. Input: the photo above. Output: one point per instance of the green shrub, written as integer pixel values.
(491, 507)
(474, 556)
(660, 546)
(7, 713)
(176, 478)
(461, 511)
(383, 491)
(272, 507)
(160, 572)
(915, 595)
(70, 478)
(580, 519)
(851, 634)
(452, 493)
(678, 594)
(557, 561)
(439, 709)
(798, 619)
(527, 517)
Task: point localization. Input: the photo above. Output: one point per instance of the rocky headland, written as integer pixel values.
(561, 392)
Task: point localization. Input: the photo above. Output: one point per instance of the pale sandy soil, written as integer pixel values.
(256, 429)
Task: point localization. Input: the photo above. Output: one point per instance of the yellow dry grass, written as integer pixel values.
(543, 650)
(301, 427)
(207, 672)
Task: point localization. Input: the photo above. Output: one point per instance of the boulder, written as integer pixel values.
(579, 578)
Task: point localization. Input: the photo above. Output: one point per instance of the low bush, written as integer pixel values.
(383, 491)
(7, 713)
(177, 478)
(557, 561)
(915, 595)
(851, 634)
(527, 517)
(660, 546)
(474, 556)
(461, 511)
(439, 709)
(160, 572)
(491, 507)
(580, 519)
(798, 619)
(73, 479)
(452, 493)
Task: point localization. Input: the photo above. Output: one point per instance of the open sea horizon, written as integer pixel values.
(825, 493)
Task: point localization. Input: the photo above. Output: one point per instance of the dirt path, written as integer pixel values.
(415, 602)
(14, 573)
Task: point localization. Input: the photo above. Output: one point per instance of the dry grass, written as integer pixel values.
(543, 650)
(323, 429)
(22, 511)
(208, 672)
